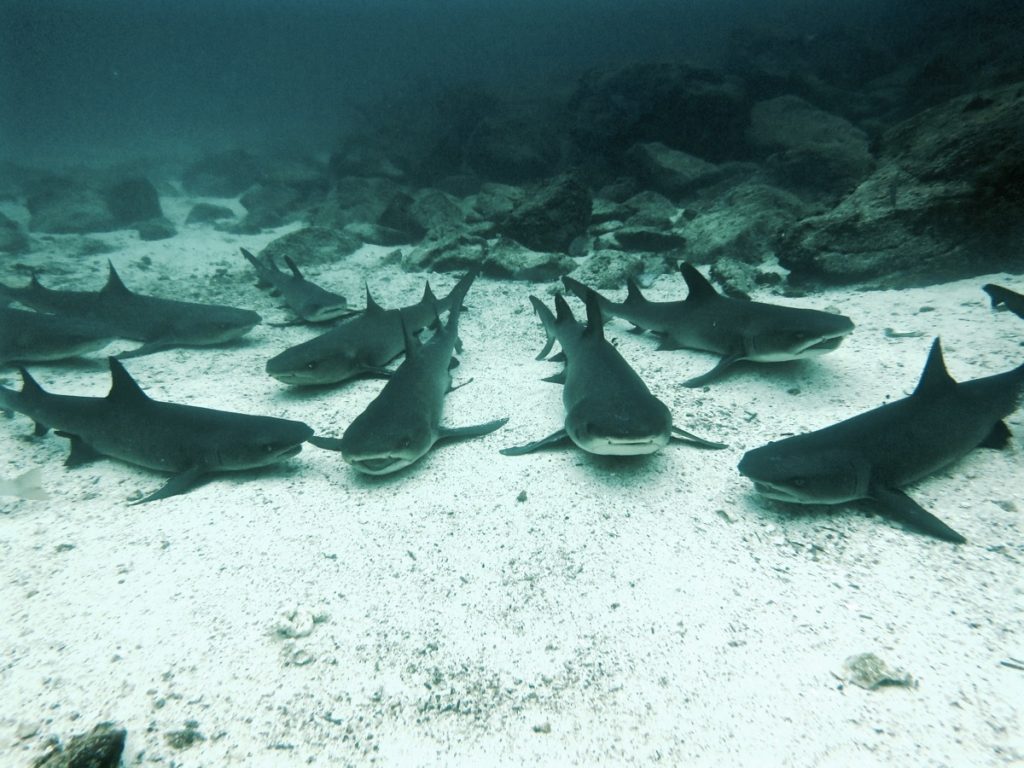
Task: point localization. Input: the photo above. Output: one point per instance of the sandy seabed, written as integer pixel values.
(550, 609)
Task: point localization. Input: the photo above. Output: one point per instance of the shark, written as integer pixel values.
(158, 323)
(187, 441)
(35, 337)
(362, 345)
(736, 329)
(872, 456)
(608, 408)
(1001, 296)
(310, 302)
(403, 422)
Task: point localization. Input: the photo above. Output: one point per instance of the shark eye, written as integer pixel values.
(406, 442)
(268, 448)
(799, 482)
(311, 365)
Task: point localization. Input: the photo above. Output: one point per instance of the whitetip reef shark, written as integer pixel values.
(310, 302)
(736, 329)
(36, 337)
(1001, 296)
(403, 422)
(874, 455)
(159, 323)
(185, 440)
(608, 408)
(361, 345)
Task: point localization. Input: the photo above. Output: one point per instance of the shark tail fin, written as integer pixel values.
(457, 295)
(412, 343)
(548, 321)
(595, 323)
(699, 286)
(29, 485)
(575, 287)
(260, 268)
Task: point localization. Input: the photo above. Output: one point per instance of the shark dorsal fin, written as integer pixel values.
(428, 294)
(34, 284)
(698, 285)
(29, 386)
(371, 305)
(562, 310)
(633, 294)
(123, 387)
(595, 324)
(935, 378)
(293, 267)
(114, 282)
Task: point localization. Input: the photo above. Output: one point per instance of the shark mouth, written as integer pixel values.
(379, 465)
(612, 446)
(779, 493)
(323, 314)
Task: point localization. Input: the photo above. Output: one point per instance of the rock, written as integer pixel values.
(156, 229)
(651, 209)
(100, 748)
(806, 148)
(495, 201)
(436, 211)
(361, 156)
(354, 200)
(269, 205)
(375, 234)
(608, 270)
(133, 200)
(552, 217)
(512, 150)
(226, 174)
(739, 279)
(745, 223)
(12, 239)
(398, 217)
(61, 206)
(312, 245)
(943, 204)
(700, 111)
(446, 253)
(208, 213)
(506, 258)
(670, 171)
(867, 671)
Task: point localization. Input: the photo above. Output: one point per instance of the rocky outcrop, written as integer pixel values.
(12, 239)
(63, 206)
(552, 217)
(225, 174)
(133, 200)
(312, 245)
(945, 201)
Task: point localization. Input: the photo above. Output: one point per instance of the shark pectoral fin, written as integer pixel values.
(683, 436)
(558, 357)
(667, 345)
(453, 387)
(40, 429)
(81, 453)
(327, 443)
(896, 504)
(376, 373)
(998, 438)
(638, 330)
(475, 430)
(714, 373)
(146, 349)
(552, 439)
(555, 378)
(178, 484)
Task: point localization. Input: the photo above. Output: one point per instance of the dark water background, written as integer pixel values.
(84, 80)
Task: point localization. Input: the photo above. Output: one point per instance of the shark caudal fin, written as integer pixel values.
(595, 323)
(547, 319)
(261, 270)
(457, 295)
(296, 272)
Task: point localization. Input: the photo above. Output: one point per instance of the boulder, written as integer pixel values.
(512, 150)
(670, 171)
(225, 174)
(133, 200)
(551, 217)
(313, 245)
(354, 199)
(208, 213)
(61, 206)
(12, 239)
(155, 229)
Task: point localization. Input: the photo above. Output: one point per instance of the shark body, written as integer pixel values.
(310, 302)
(404, 421)
(158, 323)
(608, 408)
(1001, 296)
(185, 440)
(362, 345)
(873, 455)
(27, 337)
(736, 329)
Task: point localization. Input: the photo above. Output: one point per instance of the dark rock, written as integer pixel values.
(208, 213)
(460, 184)
(156, 229)
(700, 111)
(398, 216)
(270, 205)
(133, 200)
(506, 258)
(650, 209)
(226, 174)
(61, 206)
(607, 210)
(512, 150)
(649, 240)
(100, 748)
(739, 279)
(313, 245)
(447, 253)
(12, 239)
(670, 171)
(362, 156)
(495, 201)
(608, 269)
(436, 211)
(806, 148)
(552, 217)
(944, 202)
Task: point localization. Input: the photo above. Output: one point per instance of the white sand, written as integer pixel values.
(627, 612)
